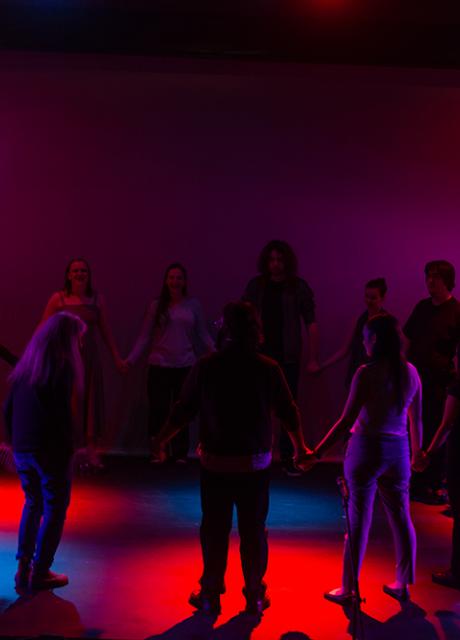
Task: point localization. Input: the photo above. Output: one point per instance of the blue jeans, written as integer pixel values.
(45, 480)
(379, 464)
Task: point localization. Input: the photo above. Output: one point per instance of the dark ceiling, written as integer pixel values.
(383, 32)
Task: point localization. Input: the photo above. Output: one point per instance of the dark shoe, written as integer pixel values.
(402, 595)
(446, 579)
(48, 580)
(290, 469)
(22, 577)
(208, 604)
(256, 605)
(339, 598)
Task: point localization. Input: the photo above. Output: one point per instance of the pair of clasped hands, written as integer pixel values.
(420, 461)
(305, 460)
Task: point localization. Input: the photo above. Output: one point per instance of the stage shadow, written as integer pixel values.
(410, 622)
(295, 635)
(39, 614)
(450, 623)
(201, 627)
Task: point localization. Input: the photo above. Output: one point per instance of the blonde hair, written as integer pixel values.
(53, 349)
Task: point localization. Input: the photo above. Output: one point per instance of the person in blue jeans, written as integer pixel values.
(384, 395)
(38, 416)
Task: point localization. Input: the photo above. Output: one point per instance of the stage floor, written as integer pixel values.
(131, 551)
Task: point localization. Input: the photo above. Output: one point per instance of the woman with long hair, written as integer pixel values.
(384, 394)
(38, 415)
(175, 330)
(79, 298)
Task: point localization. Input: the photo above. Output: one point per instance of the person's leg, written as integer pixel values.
(361, 467)
(181, 442)
(291, 373)
(216, 524)
(427, 484)
(393, 488)
(31, 515)
(55, 487)
(252, 501)
(159, 396)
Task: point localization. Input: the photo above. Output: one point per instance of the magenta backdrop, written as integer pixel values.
(134, 163)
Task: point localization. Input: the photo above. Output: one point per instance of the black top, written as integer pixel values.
(297, 304)
(434, 334)
(235, 393)
(272, 320)
(40, 418)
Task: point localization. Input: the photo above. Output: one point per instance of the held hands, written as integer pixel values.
(123, 366)
(158, 450)
(313, 368)
(305, 460)
(420, 461)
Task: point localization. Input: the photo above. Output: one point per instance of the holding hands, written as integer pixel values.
(420, 460)
(305, 460)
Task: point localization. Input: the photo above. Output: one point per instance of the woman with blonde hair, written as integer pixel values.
(38, 416)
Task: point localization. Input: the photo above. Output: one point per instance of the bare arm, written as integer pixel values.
(451, 414)
(106, 332)
(415, 421)
(341, 353)
(353, 405)
(53, 305)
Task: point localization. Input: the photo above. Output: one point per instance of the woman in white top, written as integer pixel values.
(384, 394)
(175, 330)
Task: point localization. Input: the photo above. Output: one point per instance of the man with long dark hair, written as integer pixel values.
(235, 391)
(284, 301)
(433, 332)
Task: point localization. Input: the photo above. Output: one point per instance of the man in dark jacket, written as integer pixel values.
(235, 392)
(284, 302)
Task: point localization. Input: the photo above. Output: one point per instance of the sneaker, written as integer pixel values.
(290, 469)
(446, 579)
(22, 577)
(209, 604)
(47, 580)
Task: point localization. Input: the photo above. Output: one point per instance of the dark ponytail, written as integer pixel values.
(388, 347)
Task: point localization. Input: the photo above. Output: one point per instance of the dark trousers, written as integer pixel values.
(249, 492)
(433, 401)
(163, 387)
(291, 373)
(453, 485)
(45, 480)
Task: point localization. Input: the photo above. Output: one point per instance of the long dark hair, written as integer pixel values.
(289, 257)
(53, 348)
(161, 314)
(388, 347)
(89, 291)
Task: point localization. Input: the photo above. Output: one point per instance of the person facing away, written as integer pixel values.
(39, 420)
(284, 301)
(384, 395)
(235, 392)
(433, 334)
(174, 330)
(374, 297)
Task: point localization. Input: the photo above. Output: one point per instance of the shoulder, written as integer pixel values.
(302, 287)
(256, 283)
(193, 303)
(57, 298)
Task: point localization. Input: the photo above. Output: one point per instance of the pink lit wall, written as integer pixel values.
(135, 163)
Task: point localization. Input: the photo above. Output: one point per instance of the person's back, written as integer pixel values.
(239, 390)
(382, 413)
